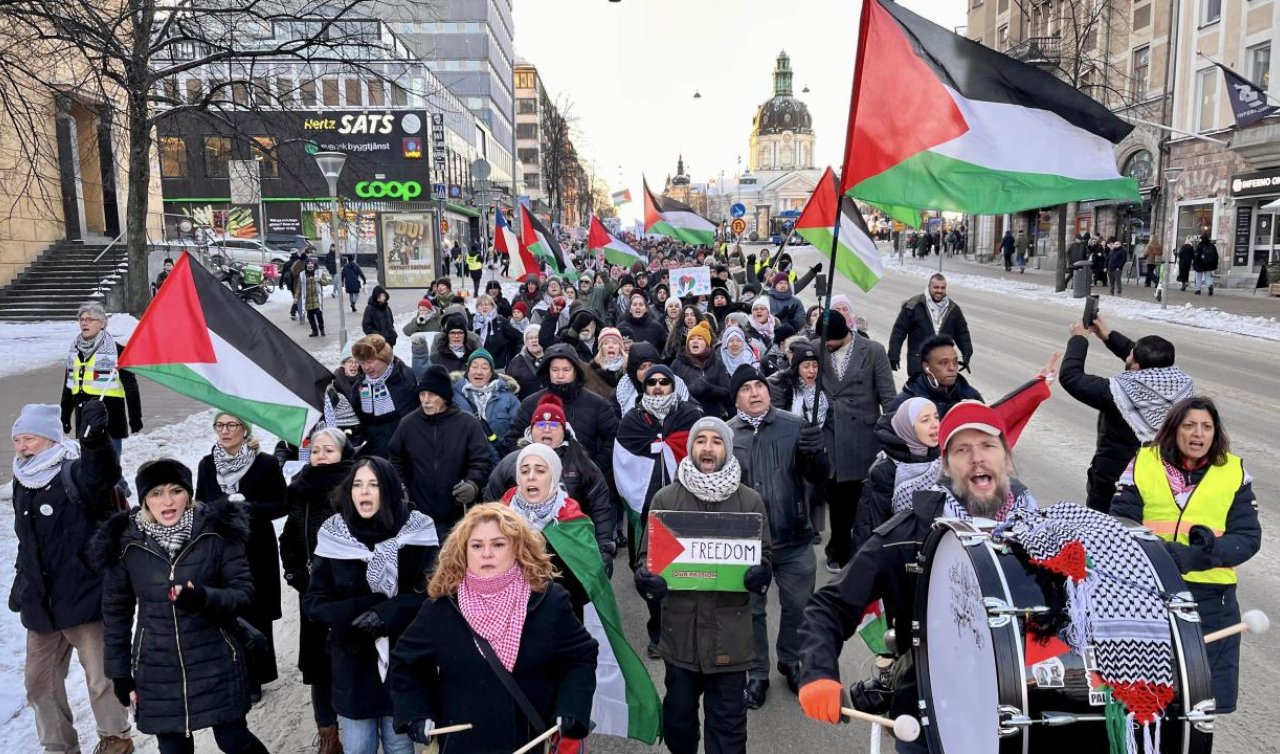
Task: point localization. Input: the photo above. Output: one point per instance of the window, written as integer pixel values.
(1260, 65)
(377, 93)
(307, 89)
(285, 92)
(173, 157)
(1141, 67)
(1002, 37)
(261, 90)
(526, 130)
(1142, 16)
(195, 91)
(528, 156)
(239, 93)
(329, 92)
(526, 79)
(1207, 99)
(1210, 11)
(1002, 6)
(354, 94)
(264, 151)
(170, 92)
(217, 151)
(527, 106)
(399, 96)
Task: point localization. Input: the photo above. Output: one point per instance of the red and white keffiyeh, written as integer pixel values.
(495, 608)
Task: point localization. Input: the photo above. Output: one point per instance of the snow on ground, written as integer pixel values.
(1187, 315)
(25, 346)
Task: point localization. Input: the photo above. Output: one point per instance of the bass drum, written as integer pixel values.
(988, 685)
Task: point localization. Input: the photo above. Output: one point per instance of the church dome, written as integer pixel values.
(783, 111)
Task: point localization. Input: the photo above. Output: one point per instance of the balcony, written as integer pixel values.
(1037, 51)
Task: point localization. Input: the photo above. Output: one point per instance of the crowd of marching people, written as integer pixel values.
(430, 535)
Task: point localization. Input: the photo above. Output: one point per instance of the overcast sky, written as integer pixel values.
(630, 70)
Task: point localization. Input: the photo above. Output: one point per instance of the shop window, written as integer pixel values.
(173, 157)
(264, 151)
(217, 151)
(1194, 219)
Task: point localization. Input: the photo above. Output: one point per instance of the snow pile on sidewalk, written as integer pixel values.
(31, 345)
(1267, 328)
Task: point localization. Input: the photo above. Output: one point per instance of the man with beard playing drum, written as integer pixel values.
(976, 482)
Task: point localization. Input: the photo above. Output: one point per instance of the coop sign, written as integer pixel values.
(406, 190)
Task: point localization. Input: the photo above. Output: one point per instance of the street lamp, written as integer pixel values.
(1170, 175)
(330, 164)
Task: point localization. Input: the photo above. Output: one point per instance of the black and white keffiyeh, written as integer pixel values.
(753, 421)
(103, 346)
(937, 309)
(716, 487)
(1018, 498)
(39, 470)
(910, 478)
(802, 403)
(231, 467)
(1144, 397)
(171, 538)
(659, 405)
(628, 395)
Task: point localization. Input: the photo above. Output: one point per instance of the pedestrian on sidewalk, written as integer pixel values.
(309, 290)
(1098, 262)
(1077, 252)
(352, 280)
(62, 492)
(1154, 258)
(378, 319)
(331, 267)
(474, 262)
(1022, 247)
(1117, 258)
(1007, 245)
(1205, 262)
(1186, 253)
(91, 374)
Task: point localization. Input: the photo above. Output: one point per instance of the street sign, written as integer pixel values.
(438, 191)
(738, 210)
(738, 226)
(788, 225)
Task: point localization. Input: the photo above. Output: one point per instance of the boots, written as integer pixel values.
(327, 740)
(114, 745)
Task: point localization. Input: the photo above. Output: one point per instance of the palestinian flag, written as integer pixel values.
(626, 703)
(615, 251)
(621, 197)
(940, 122)
(537, 241)
(871, 629)
(637, 452)
(1017, 407)
(856, 255)
(668, 217)
(699, 551)
(504, 238)
(196, 338)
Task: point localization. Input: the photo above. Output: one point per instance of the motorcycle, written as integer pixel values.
(246, 281)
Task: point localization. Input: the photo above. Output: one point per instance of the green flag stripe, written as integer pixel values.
(688, 235)
(848, 263)
(283, 421)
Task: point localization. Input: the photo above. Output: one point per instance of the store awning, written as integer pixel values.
(462, 209)
(1273, 206)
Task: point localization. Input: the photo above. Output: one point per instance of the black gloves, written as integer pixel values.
(651, 587)
(123, 687)
(572, 727)
(811, 442)
(465, 492)
(135, 425)
(894, 364)
(1188, 558)
(607, 559)
(1202, 538)
(818, 267)
(369, 623)
(93, 420)
(191, 597)
(758, 578)
(419, 731)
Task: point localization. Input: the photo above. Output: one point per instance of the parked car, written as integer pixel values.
(290, 243)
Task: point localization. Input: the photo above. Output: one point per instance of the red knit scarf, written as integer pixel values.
(495, 607)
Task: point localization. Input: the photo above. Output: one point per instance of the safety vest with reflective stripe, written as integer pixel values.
(1208, 506)
(474, 262)
(82, 377)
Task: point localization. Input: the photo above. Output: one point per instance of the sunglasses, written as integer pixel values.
(659, 381)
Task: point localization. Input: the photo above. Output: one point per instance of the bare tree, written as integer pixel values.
(560, 165)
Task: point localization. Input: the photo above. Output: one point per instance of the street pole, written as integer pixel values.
(331, 164)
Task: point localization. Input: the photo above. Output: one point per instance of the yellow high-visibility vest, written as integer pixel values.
(1209, 504)
(473, 262)
(84, 377)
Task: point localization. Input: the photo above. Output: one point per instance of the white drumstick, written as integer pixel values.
(450, 729)
(904, 727)
(534, 743)
(1254, 621)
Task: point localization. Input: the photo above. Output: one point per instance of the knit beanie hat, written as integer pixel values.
(661, 369)
(716, 425)
(609, 332)
(521, 307)
(346, 352)
(372, 347)
(481, 353)
(152, 474)
(780, 277)
(454, 322)
(837, 328)
(548, 456)
(436, 381)
(424, 301)
(549, 409)
(699, 330)
(39, 419)
(741, 376)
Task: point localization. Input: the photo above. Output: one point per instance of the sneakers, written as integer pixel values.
(114, 745)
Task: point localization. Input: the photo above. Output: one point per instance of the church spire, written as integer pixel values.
(782, 75)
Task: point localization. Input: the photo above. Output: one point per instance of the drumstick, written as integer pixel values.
(1254, 621)
(450, 729)
(904, 727)
(533, 744)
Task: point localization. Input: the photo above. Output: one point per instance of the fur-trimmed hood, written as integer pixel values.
(222, 518)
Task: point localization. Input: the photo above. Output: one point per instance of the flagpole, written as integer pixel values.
(826, 305)
(1265, 93)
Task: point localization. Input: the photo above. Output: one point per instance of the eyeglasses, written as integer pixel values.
(546, 425)
(227, 426)
(657, 381)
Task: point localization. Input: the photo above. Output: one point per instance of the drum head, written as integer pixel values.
(961, 686)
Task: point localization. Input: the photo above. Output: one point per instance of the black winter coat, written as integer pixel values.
(438, 674)
(504, 341)
(524, 370)
(876, 504)
(1185, 254)
(54, 585)
(379, 429)
(434, 453)
(582, 479)
(190, 671)
(773, 466)
(352, 277)
(378, 319)
(338, 594)
(593, 418)
(914, 326)
(444, 356)
(708, 383)
(944, 398)
(646, 329)
(1205, 258)
(264, 493)
(124, 415)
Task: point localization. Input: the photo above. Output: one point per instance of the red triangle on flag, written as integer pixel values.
(1040, 650)
(679, 444)
(173, 328)
(664, 548)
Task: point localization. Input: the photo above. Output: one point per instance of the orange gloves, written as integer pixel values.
(820, 700)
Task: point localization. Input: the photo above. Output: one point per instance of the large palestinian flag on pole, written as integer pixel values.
(938, 121)
(539, 242)
(615, 251)
(506, 241)
(198, 339)
(668, 217)
(856, 255)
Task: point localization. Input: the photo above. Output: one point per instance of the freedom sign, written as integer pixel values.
(697, 551)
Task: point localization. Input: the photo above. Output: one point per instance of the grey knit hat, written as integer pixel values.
(41, 420)
(715, 425)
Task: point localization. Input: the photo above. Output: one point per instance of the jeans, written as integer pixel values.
(1203, 279)
(45, 673)
(1022, 261)
(354, 296)
(1115, 279)
(232, 738)
(362, 736)
(795, 569)
(723, 711)
(842, 506)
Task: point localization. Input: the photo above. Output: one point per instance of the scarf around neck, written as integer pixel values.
(716, 487)
(909, 478)
(937, 309)
(731, 362)
(1143, 397)
(753, 421)
(38, 471)
(375, 398)
(481, 324)
(171, 538)
(802, 402)
(1018, 498)
(103, 345)
(480, 396)
(539, 515)
(659, 405)
(495, 608)
(232, 468)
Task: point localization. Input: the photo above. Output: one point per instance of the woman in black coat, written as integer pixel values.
(492, 565)
(703, 373)
(181, 565)
(525, 365)
(639, 326)
(310, 498)
(908, 456)
(373, 539)
(454, 344)
(378, 319)
(495, 333)
(236, 467)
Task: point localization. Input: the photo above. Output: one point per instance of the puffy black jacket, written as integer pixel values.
(437, 674)
(773, 466)
(644, 329)
(504, 341)
(444, 356)
(523, 368)
(582, 479)
(594, 419)
(914, 326)
(1205, 258)
(338, 594)
(876, 504)
(311, 502)
(434, 453)
(54, 585)
(379, 429)
(708, 382)
(190, 671)
(943, 397)
(378, 318)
